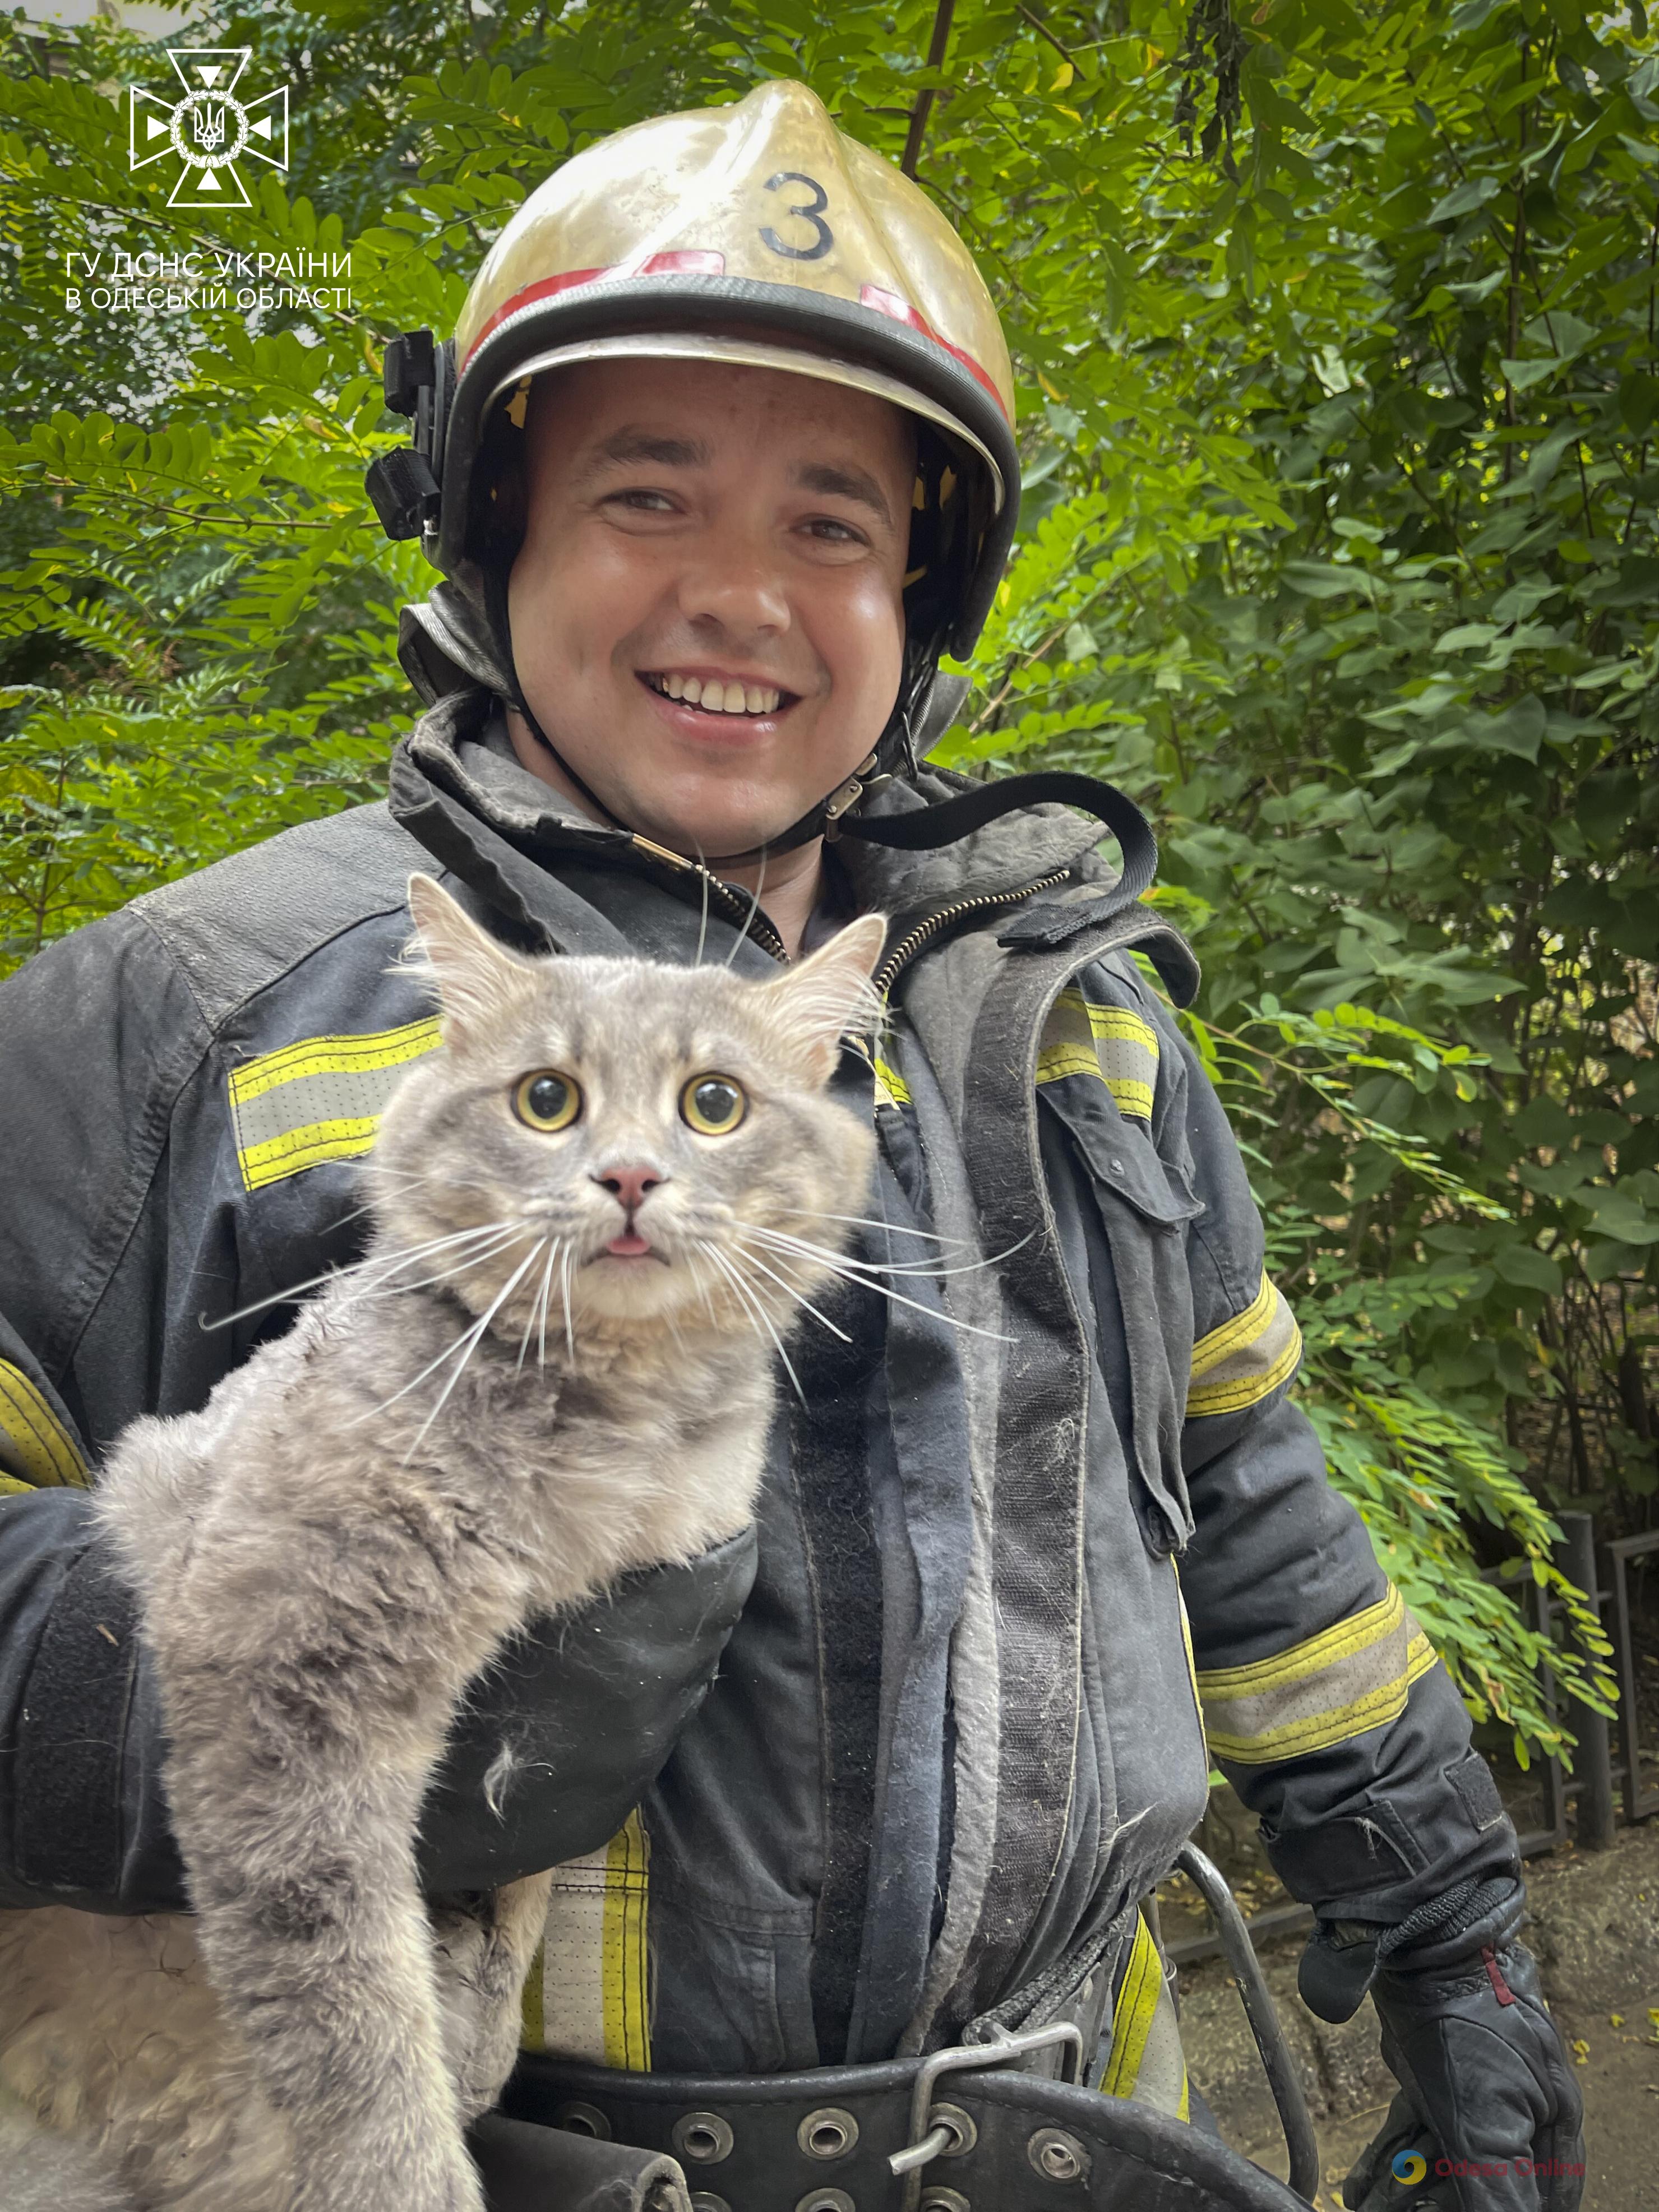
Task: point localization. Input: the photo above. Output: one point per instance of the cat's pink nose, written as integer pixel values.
(629, 1186)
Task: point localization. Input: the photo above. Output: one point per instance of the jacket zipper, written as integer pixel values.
(735, 906)
(903, 953)
(906, 948)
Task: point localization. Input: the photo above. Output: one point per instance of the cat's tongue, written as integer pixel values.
(632, 1246)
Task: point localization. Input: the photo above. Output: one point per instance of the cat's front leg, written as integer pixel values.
(483, 1958)
(324, 1967)
(305, 1720)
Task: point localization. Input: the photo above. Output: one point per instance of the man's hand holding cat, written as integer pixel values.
(562, 1736)
(559, 1741)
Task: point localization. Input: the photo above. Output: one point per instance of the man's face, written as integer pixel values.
(707, 610)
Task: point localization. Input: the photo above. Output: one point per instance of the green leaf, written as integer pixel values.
(1527, 1268)
(1464, 198)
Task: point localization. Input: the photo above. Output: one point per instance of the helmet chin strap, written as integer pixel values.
(919, 828)
(827, 819)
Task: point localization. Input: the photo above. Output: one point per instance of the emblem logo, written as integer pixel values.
(1409, 2167)
(210, 130)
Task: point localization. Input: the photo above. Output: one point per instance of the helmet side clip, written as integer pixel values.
(403, 484)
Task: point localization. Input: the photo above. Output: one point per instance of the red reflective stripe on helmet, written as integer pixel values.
(692, 261)
(900, 311)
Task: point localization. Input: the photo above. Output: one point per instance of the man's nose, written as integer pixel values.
(629, 1186)
(736, 584)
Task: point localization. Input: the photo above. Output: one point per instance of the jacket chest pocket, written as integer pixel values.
(1136, 1208)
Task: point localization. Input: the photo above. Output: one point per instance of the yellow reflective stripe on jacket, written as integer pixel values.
(34, 1442)
(1145, 2061)
(1349, 1678)
(1132, 2015)
(588, 1994)
(321, 1099)
(1115, 1047)
(1247, 1357)
(891, 1089)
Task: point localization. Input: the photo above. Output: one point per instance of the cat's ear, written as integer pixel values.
(830, 992)
(479, 981)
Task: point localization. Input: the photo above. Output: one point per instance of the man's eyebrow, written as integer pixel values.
(843, 483)
(633, 444)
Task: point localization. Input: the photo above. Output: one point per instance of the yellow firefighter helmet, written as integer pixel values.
(756, 234)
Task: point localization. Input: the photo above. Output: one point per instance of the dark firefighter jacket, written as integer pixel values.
(956, 1736)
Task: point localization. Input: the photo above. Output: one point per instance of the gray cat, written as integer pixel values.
(595, 1214)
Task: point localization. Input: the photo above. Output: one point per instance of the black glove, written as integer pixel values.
(559, 1740)
(1490, 2118)
(564, 1735)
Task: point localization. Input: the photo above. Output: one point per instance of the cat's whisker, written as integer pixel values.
(820, 1254)
(392, 1262)
(553, 1250)
(702, 1288)
(468, 1260)
(567, 1277)
(835, 1266)
(703, 925)
(470, 1342)
(530, 1318)
(867, 1221)
(805, 1303)
(466, 1337)
(757, 1310)
(781, 1240)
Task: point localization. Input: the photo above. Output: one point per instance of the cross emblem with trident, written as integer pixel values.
(209, 129)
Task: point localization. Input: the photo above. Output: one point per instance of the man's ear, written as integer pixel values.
(479, 981)
(829, 994)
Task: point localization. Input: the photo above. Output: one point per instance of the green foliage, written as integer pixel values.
(1335, 323)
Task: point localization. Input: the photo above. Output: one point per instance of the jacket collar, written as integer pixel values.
(458, 757)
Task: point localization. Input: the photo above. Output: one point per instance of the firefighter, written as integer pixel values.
(720, 463)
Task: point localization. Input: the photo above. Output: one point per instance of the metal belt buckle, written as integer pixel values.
(940, 2131)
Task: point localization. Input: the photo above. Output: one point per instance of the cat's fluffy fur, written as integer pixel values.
(324, 1563)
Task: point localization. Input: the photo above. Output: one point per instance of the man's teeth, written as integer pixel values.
(715, 697)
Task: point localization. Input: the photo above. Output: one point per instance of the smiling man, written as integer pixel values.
(720, 464)
(707, 605)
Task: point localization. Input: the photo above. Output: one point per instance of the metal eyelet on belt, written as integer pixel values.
(960, 2125)
(826, 2200)
(704, 2200)
(936, 2198)
(934, 2129)
(831, 2132)
(702, 2138)
(1057, 2156)
(579, 2119)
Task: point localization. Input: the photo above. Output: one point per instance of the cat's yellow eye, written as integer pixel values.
(713, 1104)
(546, 1100)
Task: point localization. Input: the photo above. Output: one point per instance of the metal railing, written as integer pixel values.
(1639, 1803)
(1590, 1791)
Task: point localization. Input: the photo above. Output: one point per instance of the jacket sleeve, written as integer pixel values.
(122, 1220)
(1323, 1703)
(99, 1035)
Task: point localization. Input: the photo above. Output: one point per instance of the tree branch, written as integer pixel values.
(923, 107)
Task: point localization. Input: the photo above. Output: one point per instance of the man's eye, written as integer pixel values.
(641, 501)
(832, 531)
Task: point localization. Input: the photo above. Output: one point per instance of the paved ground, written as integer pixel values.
(1596, 1930)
